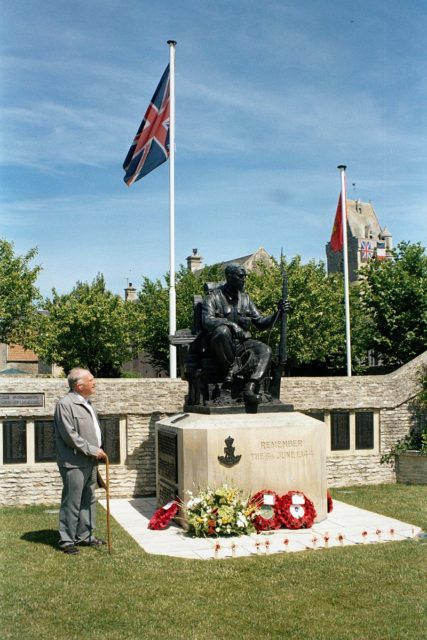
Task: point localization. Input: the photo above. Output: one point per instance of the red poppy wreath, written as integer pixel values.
(162, 517)
(296, 511)
(266, 501)
(330, 501)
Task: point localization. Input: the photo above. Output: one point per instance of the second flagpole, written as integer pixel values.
(172, 292)
(342, 169)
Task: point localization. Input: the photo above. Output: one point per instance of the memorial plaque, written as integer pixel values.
(110, 428)
(167, 455)
(364, 430)
(45, 441)
(340, 430)
(14, 441)
(166, 492)
(21, 399)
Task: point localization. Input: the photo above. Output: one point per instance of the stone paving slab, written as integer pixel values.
(345, 525)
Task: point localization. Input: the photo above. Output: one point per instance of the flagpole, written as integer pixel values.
(172, 292)
(342, 169)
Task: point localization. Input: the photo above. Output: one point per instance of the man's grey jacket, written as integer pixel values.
(75, 435)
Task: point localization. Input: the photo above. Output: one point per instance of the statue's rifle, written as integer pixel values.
(282, 354)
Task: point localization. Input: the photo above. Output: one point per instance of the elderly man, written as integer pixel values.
(227, 315)
(78, 448)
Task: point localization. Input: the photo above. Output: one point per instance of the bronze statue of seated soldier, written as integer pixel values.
(225, 364)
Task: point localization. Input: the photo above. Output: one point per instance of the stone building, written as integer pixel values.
(15, 360)
(366, 240)
(249, 262)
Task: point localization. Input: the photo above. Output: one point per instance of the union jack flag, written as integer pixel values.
(366, 250)
(150, 147)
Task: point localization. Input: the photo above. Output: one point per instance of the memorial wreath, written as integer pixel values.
(296, 511)
(162, 517)
(267, 517)
(330, 502)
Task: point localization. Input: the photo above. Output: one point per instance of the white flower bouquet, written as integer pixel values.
(220, 512)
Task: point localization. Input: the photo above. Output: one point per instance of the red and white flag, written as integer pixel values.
(380, 251)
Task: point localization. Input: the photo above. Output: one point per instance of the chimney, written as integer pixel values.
(194, 262)
(130, 293)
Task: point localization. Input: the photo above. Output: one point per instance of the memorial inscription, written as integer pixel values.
(45, 450)
(21, 399)
(167, 455)
(14, 441)
(282, 450)
(166, 492)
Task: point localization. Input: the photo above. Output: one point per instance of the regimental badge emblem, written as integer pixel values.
(229, 459)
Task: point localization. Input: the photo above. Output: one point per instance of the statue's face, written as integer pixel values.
(236, 279)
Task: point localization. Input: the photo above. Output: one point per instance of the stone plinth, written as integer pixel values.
(278, 451)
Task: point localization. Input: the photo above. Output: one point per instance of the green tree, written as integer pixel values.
(393, 298)
(90, 327)
(154, 300)
(19, 297)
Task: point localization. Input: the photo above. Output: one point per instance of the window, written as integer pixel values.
(14, 441)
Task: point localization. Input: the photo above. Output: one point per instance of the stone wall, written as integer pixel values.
(141, 402)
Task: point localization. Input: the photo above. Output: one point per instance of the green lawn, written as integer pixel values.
(355, 593)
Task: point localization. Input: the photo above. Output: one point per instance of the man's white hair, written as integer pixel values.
(75, 376)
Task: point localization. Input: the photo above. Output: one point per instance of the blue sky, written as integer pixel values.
(271, 97)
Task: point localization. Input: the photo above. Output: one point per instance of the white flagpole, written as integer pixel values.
(342, 169)
(172, 292)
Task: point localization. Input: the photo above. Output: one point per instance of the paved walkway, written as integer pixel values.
(345, 525)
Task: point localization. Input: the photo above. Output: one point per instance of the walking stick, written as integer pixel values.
(106, 486)
(107, 493)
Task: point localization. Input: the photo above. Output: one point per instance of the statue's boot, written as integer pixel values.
(250, 393)
(228, 378)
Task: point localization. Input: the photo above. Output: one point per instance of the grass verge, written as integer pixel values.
(364, 592)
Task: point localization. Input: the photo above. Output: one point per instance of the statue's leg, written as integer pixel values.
(263, 353)
(223, 350)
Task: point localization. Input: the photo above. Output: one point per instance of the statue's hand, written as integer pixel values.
(244, 323)
(284, 306)
(237, 331)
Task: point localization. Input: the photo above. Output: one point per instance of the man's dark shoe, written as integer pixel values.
(92, 542)
(70, 549)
